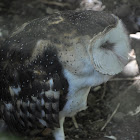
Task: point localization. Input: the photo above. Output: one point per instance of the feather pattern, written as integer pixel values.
(31, 97)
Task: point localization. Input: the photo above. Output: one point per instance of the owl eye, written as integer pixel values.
(107, 45)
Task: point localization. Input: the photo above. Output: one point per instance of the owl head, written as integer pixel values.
(109, 49)
(91, 41)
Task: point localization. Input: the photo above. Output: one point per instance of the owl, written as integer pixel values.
(48, 65)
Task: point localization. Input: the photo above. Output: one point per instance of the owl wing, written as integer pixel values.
(33, 90)
(32, 108)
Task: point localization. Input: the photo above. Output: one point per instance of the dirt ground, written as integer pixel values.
(114, 107)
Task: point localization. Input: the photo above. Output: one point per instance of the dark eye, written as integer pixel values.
(107, 45)
(95, 3)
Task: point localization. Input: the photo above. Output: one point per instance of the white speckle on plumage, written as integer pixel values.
(43, 122)
(34, 98)
(48, 94)
(51, 83)
(42, 102)
(9, 106)
(14, 91)
(43, 113)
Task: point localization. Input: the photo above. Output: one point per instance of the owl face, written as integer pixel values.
(109, 50)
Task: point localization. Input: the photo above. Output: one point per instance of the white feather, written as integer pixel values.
(110, 61)
(78, 90)
(14, 90)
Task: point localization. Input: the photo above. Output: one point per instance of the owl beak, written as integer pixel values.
(123, 60)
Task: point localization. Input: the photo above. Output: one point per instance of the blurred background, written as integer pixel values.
(114, 107)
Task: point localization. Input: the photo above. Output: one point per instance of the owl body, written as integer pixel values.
(49, 65)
